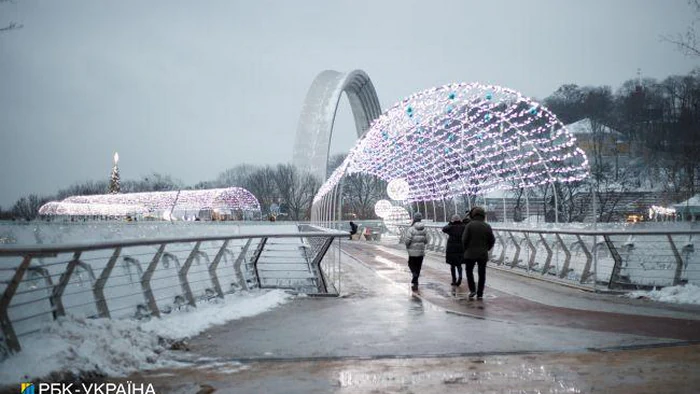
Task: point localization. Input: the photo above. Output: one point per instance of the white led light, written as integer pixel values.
(397, 189)
(382, 208)
(233, 198)
(396, 216)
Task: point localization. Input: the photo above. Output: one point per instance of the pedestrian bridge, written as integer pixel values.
(529, 332)
(525, 335)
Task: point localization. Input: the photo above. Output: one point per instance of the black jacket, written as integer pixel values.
(478, 238)
(454, 231)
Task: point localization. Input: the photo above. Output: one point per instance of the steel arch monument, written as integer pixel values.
(315, 128)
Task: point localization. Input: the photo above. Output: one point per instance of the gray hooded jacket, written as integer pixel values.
(416, 239)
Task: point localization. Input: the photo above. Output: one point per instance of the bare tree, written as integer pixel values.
(235, 176)
(361, 192)
(688, 42)
(153, 182)
(28, 207)
(82, 189)
(261, 183)
(10, 25)
(296, 190)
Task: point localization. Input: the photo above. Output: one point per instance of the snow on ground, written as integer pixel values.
(685, 294)
(118, 347)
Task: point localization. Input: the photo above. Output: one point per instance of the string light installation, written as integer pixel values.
(396, 216)
(233, 202)
(60, 208)
(463, 139)
(382, 208)
(397, 189)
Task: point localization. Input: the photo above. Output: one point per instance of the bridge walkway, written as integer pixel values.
(378, 336)
(524, 300)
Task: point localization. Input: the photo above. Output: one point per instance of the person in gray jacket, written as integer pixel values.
(416, 239)
(478, 240)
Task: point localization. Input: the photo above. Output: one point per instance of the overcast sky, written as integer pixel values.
(191, 88)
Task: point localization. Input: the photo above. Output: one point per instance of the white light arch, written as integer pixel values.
(466, 139)
(315, 128)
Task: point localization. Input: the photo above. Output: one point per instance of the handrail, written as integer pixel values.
(53, 250)
(291, 260)
(612, 258)
(582, 231)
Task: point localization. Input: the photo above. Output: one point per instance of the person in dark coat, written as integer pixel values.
(454, 253)
(467, 218)
(353, 229)
(478, 240)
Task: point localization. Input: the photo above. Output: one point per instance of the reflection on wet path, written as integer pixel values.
(416, 307)
(504, 307)
(661, 370)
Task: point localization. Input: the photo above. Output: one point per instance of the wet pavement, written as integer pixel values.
(657, 370)
(525, 336)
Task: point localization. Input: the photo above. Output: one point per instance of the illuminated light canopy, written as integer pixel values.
(382, 208)
(397, 189)
(226, 200)
(396, 216)
(465, 139)
(60, 208)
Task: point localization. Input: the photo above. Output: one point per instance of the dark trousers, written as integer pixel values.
(482, 276)
(455, 260)
(414, 264)
(456, 271)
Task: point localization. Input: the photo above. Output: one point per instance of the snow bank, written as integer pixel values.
(182, 325)
(686, 294)
(119, 347)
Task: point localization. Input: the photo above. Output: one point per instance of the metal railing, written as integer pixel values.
(606, 259)
(151, 277)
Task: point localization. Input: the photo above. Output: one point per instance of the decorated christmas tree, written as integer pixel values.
(114, 178)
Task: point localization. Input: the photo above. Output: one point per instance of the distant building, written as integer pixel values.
(689, 209)
(612, 142)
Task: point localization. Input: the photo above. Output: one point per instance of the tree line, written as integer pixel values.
(659, 122)
(659, 119)
(27, 207)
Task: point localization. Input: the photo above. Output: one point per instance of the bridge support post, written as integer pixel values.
(256, 259)
(57, 294)
(183, 275)
(98, 290)
(146, 282)
(7, 329)
(514, 263)
(548, 261)
(567, 258)
(214, 265)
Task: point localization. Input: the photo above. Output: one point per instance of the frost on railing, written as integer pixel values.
(614, 259)
(148, 278)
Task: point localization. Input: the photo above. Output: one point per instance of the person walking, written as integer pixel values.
(477, 240)
(454, 252)
(353, 229)
(416, 239)
(467, 218)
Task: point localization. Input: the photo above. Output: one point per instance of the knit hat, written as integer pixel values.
(417, 216)
(478, 211)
